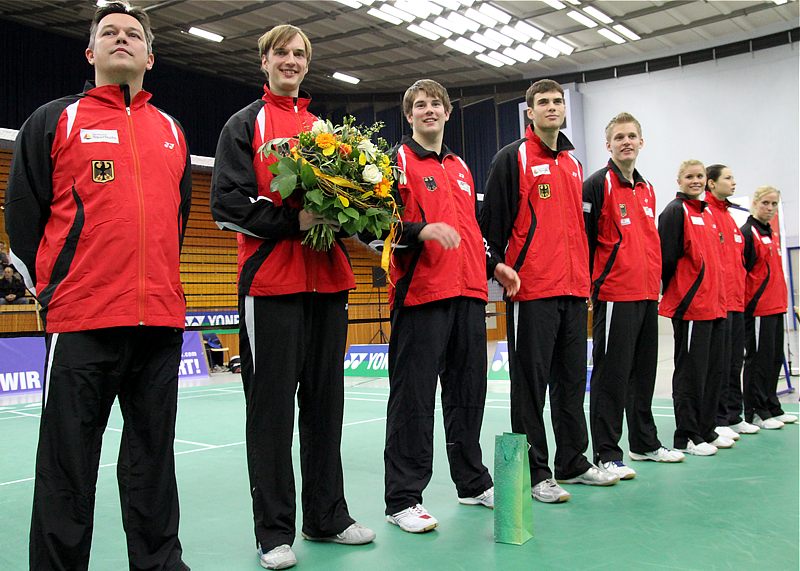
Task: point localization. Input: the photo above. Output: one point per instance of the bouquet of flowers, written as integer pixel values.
(343, 176)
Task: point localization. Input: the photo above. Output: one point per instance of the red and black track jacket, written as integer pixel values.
(532, 218)
(691, 267)
(765, 287)
(97, 204)
(732, 252)
(624, 247)
(272, 260)
(436, 188)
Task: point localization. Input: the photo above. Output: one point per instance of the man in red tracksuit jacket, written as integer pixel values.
(625, 259)
(532, 220)
(292, 315)
(97, 204)
(438, 296)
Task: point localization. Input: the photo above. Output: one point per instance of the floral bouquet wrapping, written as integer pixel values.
(343, 176)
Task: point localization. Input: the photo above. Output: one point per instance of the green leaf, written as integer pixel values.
(287, 166)
(372, 211)
(352, 213)
(342, 217)
(307, 176)
(315, 196)
(284, 184)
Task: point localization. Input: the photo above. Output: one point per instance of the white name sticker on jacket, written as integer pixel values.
(737, 238)
(465, 187)
(698, 220)
(766, 240)
(587, 207)
(624, 221)
(99, 136)
(539, 170)
(648, 211)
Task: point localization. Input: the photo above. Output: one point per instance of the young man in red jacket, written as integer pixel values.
(532, 220)
(438, 297)
(288, 288)
(625, 260)
(79, 194)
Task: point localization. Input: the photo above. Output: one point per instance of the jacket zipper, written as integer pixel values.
(458, 221)
(563, 181)
(140, 196)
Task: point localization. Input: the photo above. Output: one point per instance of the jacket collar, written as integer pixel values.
(562, 143)
(763, 229)
(285, 102)
(716, 202)
(637, 178)
(696, 203)
(422, 152)
(116, 95)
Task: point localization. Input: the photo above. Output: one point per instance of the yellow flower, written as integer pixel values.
(326, 142)
(362, 159)
(384, 161)
(382, 188)
(343, 199)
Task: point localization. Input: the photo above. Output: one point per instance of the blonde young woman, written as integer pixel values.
(765, 304)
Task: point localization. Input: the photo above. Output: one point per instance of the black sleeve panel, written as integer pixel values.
(500, 204)
(593, 197)
(235, 203)
(30, 186)
(749, 247)
(670, 230)
(186, 189)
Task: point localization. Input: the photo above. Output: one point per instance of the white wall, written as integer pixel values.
(741, 111)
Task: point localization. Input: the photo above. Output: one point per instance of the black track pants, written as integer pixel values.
(294, 344)
(762, 365)
(446, 340)
(729, 411)
(85, 372)
(625, 356)
(699, 349)
(547, 349)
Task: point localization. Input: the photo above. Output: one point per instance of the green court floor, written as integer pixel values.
(737, 510)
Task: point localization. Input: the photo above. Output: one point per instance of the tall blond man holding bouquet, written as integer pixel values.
(292, 315)
(438, 297)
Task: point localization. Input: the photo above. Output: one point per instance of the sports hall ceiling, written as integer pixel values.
(387, 57)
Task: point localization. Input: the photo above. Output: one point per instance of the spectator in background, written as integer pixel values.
(12, 289)
(4, 261)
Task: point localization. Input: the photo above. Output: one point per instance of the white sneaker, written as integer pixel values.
(415, 519)
(702, 449)
(593, 477)
(727, 432)
(485, 498)
(767, 423)
(354, 534)
(281, 557)
(786, 418)
(618, 468)
(744, 427)
(663, 454)
(722, 442)
(548, 492)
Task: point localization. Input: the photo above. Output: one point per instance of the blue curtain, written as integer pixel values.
(480, 139)
(364, 116)
(393, 124)
(508, 121)
(452, 130)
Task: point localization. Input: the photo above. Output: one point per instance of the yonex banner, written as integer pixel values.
(22, 362)
(367, 361)
(498, 366)
(222, 319)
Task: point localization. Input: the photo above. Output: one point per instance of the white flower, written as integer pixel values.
(320, 126)
(368, 148)
(372, 174)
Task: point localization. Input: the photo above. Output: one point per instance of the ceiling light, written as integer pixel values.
(500, 57)
(481, 39)
(438, 30)
(101, 3)
(547, 50)
(397, 13)
(423, 32)
(480, 17)
(498, 37)
(460, 46)
(475, 47)
(578, 17)
(631, 35)
(517, 55)
(450, 25)
(205, 34)
(554, 4)
(419, 8)
(574, 2)
(514, 33)
(384, 16)
(495, 13)
(460, 20)
(351, 3)
(466, 3)
(560, 45)
(449, 4)
(532, 54)
(611, 36)
(531, 31)
(592, 11)
(490, 60)
(344, 77)
(780, 2)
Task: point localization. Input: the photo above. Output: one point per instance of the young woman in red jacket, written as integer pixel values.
(765, 304)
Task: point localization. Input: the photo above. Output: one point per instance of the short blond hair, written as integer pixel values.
(760, 193)
(431, 88)
(280, 36)
(690, 163)
(620, 119)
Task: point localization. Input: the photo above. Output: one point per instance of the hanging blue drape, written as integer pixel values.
(393, 124)
(508, 121)
(480, 139)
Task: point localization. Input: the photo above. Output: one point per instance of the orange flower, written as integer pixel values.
(345, 149)
(326, 142)
(382, 188)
